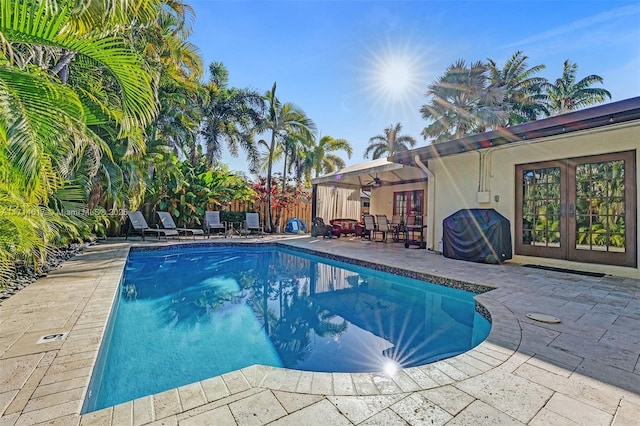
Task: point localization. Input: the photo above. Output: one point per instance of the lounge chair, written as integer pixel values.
(167, 223)
(252, 223)
(139, 224)
(369, 226)
(212, 221)
(399, 230)
(384, 226)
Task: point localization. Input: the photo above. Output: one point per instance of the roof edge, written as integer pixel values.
(602, 115)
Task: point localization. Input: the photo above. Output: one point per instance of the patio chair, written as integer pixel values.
(384, 227)
(369, 226)
(399, 229)
(212, 221)
(139, 224)
(252, 223)
(168, 223)
(415, 232)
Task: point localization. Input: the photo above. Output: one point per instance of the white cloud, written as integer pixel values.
(579, 25)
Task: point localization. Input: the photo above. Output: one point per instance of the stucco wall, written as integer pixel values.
(457, 179)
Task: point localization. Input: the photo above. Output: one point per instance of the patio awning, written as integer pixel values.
(363, 174)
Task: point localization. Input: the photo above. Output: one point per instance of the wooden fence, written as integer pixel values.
(301, 210)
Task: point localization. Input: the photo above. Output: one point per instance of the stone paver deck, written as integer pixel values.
(585, 370)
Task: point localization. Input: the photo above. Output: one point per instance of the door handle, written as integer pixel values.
(572, 210)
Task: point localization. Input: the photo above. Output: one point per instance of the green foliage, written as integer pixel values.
(26, 230)
(232, 217)
(230, 115)
(196, 189)
(390, 143)
(73, 90)
(281, 121)
(566, 94)
(481, 96)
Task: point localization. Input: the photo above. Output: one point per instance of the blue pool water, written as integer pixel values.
(194, 313)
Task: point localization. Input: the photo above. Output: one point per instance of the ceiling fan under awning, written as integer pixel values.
(375, 182)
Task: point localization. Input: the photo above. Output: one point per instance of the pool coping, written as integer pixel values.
(498, 350)
(473, 362)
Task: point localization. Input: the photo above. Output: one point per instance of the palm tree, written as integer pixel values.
(523, 98)
(291, 152)
(320, 159)
(565, 94)
(281, 120)
(179, 67)
(39, 100)
(461, 102)
(230, 115)
(391, 142)
(47, 120)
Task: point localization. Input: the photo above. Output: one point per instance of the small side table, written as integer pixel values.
(233, 229)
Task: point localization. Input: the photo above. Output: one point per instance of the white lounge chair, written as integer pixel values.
(212, 221)
(168, 223)
(252, 223)
(139, 224)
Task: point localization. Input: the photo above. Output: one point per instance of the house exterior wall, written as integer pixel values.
(458, 179)
(382, 197)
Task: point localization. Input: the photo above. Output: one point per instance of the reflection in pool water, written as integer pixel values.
(183, 316)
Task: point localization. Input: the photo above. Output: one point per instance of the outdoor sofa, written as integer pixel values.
(343, 226)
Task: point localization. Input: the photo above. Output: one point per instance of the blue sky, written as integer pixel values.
(356, 67)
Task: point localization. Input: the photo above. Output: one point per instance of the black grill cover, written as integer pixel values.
(477, 235)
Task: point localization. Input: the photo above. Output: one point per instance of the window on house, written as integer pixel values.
(408, 203)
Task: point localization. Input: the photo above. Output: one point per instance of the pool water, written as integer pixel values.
(190, 314)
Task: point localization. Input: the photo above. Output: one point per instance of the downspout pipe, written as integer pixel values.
(431, 204)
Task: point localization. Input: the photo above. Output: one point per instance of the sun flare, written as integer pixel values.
(396, 77)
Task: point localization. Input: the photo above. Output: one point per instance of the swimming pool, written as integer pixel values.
(185, 315)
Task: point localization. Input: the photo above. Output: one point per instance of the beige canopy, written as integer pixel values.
(363, 174)
(338, 195)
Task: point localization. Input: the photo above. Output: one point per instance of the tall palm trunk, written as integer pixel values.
(284, 185)
(272, 146)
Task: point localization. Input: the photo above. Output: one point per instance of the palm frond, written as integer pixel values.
(22, 22)
(41, 118)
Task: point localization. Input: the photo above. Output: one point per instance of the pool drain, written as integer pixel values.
(52, 338)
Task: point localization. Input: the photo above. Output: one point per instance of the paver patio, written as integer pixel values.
(585, 370)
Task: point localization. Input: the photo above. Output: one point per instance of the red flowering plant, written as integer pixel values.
(281, 200)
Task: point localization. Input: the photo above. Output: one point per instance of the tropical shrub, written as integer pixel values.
(196, 189)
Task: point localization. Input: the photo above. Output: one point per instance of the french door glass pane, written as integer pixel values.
(400, 205)
(541, 207)
(600, 206)
(408, 203)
